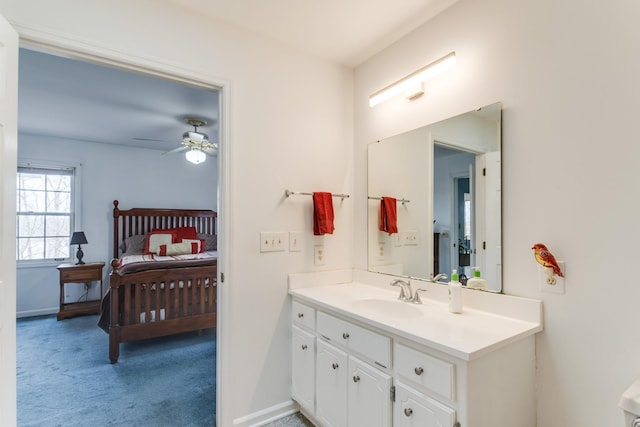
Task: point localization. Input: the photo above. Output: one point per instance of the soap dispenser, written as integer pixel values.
(455, 293)
(476, 282)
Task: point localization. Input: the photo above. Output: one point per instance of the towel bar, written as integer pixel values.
(292, 193)
(403, 201)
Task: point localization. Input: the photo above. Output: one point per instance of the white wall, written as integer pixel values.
(568, 79)
(136, 177)
(397, 169)
(291, 126)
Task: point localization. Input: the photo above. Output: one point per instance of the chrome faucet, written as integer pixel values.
(405, 289)
(416, 296)
(439, 276)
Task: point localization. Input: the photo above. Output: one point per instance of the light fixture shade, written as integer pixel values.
(195, 156)
(423, 74)
(78, 238)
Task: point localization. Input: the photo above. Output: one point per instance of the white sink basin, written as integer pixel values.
(390, 308)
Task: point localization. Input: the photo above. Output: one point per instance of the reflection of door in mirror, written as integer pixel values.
(452, 207)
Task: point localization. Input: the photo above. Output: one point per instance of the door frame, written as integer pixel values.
(53, 44)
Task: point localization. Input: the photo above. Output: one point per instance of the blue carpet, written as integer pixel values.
(64, 377)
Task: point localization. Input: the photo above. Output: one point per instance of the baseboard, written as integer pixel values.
(33, 313)
(267, 415)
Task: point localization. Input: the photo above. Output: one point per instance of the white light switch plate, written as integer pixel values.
(272, 241)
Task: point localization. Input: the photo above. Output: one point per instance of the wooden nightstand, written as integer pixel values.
(82, 273)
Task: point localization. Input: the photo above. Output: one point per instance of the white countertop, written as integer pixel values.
(467, 335)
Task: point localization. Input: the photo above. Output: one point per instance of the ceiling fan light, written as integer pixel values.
(195, 156)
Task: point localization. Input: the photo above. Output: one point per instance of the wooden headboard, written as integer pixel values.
(127, 223)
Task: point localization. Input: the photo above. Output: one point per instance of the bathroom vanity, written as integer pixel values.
(361, 357)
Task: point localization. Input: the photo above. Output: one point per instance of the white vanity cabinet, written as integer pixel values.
(303, 355)
(369, 395)
(303, 367)
(413, 409)
(331, 388)
(349, 391)
(373, 374)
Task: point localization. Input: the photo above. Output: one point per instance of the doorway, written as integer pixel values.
(145, 139)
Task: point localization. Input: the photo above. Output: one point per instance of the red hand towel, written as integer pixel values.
(322, 213)
(388, 215)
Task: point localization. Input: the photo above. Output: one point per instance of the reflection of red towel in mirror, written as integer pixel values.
(322, 213)
(388, 215)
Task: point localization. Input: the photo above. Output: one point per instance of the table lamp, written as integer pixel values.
(78, 238)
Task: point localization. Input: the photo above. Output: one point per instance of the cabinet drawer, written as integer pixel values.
(303, 315)
(369, 344)
(425, 371)
(80, 275)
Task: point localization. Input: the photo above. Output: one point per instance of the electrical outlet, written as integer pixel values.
(87, 286)
(295, 241)
(272, 241)
(380, 253)
(318, 255)
(549, 282)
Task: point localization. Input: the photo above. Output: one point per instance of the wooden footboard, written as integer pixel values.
(156, 303)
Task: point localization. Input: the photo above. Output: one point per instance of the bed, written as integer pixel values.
(157, 294)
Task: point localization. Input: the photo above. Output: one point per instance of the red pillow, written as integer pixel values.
(181, 233)
(157, 238)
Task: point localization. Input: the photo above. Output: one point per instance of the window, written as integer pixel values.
(45, 213)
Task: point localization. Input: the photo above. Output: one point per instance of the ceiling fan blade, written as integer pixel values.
(175, 150)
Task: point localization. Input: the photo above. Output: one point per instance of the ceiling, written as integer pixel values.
(343, 31)
(83, 101)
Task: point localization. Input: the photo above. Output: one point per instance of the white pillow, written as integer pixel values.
(154, 240)
(199, 244)
(176, 249)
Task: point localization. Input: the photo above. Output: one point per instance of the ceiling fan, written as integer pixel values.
(197, 143)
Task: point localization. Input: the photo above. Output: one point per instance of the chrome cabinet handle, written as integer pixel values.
(304, 346)
(300, 315)
(408, 411)
(335, 366)
(345, 335)
(418, 370)
(356, 378)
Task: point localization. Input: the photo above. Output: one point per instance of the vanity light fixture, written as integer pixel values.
(414, 79)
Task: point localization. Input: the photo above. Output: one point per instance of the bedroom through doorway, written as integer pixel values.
(124, 128)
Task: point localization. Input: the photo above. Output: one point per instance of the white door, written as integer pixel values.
(413, 409)
(489, 219)
(369, 395)
(8, 159)
(331, 385)
(303, 368)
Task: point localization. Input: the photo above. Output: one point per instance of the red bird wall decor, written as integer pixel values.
(546, 259)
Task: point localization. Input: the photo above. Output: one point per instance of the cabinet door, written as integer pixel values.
(303, 368)
(413, 409)
(369, 396)
(331, 385)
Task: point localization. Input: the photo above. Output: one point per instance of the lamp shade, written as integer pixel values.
(195, 156)
(78, 238)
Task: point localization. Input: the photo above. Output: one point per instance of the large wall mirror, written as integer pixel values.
(446, 179)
